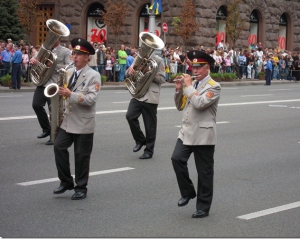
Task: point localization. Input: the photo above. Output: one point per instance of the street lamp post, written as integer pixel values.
(151, 27)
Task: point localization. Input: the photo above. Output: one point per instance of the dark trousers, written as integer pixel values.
(83, 145)
(149, 113)
(268, 76)
(16, 76)
(204, 159)
(38, 103)
(6, 68)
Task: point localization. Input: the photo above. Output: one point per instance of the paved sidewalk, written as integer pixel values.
(120, 86)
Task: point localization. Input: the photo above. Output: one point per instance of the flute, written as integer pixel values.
(181, 78)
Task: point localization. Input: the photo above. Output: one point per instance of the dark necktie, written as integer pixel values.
(196, 84)
(70, 86)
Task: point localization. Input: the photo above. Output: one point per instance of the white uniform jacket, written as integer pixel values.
(80, 107)
(199, 112)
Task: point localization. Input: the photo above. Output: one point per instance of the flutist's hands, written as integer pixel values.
(184, 79)
(187, 80)
(64, 92)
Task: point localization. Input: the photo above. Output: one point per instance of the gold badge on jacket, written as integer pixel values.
(97, 87)
(209, 94)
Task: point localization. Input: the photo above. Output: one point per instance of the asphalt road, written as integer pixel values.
(256, 194)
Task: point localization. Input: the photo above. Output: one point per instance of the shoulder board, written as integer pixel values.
(212, 82)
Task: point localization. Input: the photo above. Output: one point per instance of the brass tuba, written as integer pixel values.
(42, 71)
(145, 68)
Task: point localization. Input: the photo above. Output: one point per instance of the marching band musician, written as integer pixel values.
(78, 124)
(147, 107)
(39, 99)
(198, 100)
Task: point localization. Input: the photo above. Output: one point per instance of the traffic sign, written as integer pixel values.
(164, 27)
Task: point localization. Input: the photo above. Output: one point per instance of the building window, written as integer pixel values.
(221, 24)
(47, 11)
(254, 28)
(96, 27)
(282, 36)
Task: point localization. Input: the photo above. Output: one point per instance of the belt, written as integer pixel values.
(6, 61)
(17, 63)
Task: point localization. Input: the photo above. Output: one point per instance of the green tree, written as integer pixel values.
(10, 26)
(115, 15)
(185, 24)
(235, 24)
(28, 14)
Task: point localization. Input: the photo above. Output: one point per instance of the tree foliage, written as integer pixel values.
(10, 26)
(115, 15)
(28, 14)
(235, 24)
(185, 24)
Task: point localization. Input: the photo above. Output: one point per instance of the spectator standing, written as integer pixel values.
(122, 56)
(268, 70)
(101, 59)
(129, 60)
(255, 67)
(6, 59)
(16, 68)
(228, 64)
(166, 59)
(108, 68)
(177, 59)
(182, 63)
(242, 65)
(93, 59)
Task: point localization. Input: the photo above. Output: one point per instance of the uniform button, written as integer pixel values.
(187, 119)
(187, 125)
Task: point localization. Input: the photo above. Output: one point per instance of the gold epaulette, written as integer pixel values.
(212, 82)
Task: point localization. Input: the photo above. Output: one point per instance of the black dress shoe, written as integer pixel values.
(43, 135)
(78, 196)
(62, 189)
(138, 147)
(185, 200)
(49, 142)
(145, 156)
(199, 214)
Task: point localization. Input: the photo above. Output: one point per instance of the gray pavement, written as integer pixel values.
(118, 85)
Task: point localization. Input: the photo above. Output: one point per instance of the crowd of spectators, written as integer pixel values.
(112, 63)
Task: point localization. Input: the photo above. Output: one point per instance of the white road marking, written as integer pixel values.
(20, 117)
(294, 107)
(278, 105)
(221, 122)
(121, 92)
(279, 89)
(165, 108)
(11, 96)
(269, 211)
(255, 95)
(91, 174)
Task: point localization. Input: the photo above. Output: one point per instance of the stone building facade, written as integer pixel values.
(271, 22)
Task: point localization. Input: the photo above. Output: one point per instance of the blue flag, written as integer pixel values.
(157, 6)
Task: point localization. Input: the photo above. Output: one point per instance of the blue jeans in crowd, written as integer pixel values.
(101, 69)
(122, 72)
(275, 73)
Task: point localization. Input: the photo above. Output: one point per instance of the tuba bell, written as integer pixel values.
(145, 68)
(42, 71)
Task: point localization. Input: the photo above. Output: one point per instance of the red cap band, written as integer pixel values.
(81, 48)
